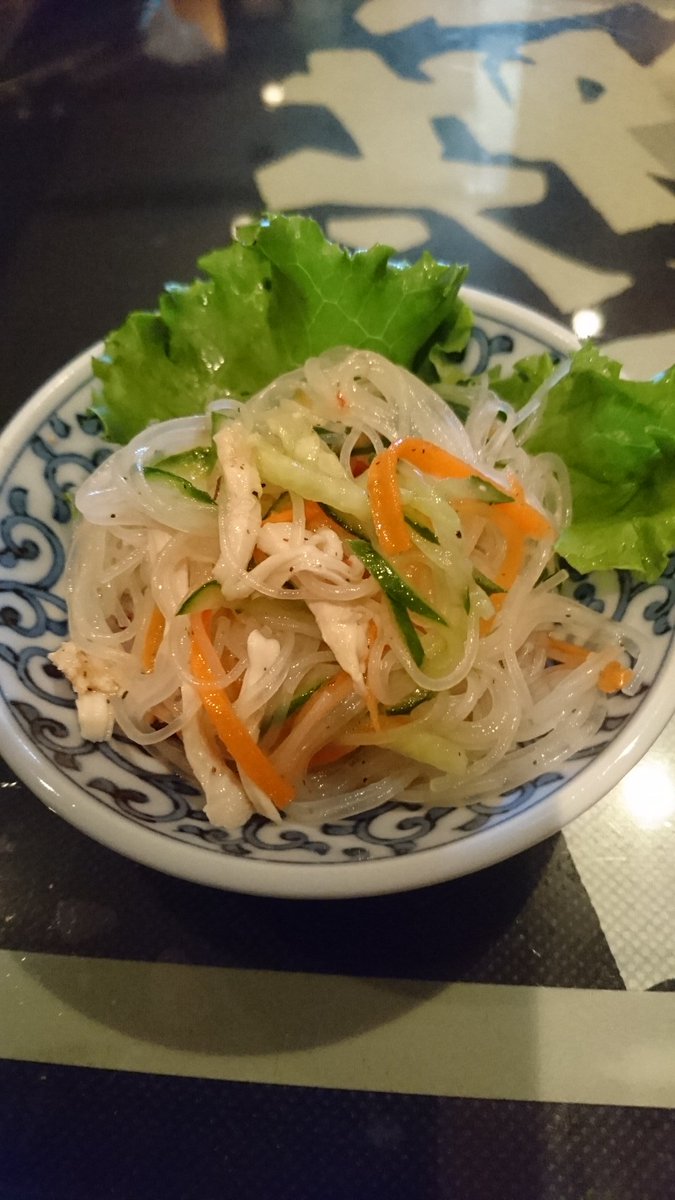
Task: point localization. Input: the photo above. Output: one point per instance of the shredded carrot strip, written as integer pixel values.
(385, 503)
(533, 523)
(387, 509)
(516, 517)
(153, 639)
(316, 518)
(385, 498)
(435, 461)
(530, 522)
(230, 728)
(330, 753)
(566, 651)
(614, 677)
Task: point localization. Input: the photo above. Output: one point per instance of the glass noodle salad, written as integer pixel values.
(338, 593)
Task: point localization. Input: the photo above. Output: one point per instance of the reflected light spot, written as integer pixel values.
(240, 219)
(649, 795)
(272, 95)
(587, 323)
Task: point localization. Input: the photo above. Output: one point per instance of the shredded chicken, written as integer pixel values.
(262, 652)
(94, 684)
(321, 553)
(344, 628)
(238, 511)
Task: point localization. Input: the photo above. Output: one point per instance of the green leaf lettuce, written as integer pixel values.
(275, 296)
(617, 439)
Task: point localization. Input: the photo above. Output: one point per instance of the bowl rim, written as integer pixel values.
(327, 880)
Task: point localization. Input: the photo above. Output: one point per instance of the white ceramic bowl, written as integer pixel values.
(123, 797)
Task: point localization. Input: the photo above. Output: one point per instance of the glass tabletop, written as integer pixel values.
(509, 1034)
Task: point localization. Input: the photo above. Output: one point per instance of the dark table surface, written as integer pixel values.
(510, 1034)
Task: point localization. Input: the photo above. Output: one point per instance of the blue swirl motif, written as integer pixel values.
(57, 463)
(31, 666)
(15, 551)
(585, 590)
(37, 610)
(486, 346)
(70, 752)
(402, 835)
(517, 799)
(258, 834)
(133, 782)
(175, 789)
(658, 612)
(398, 835)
